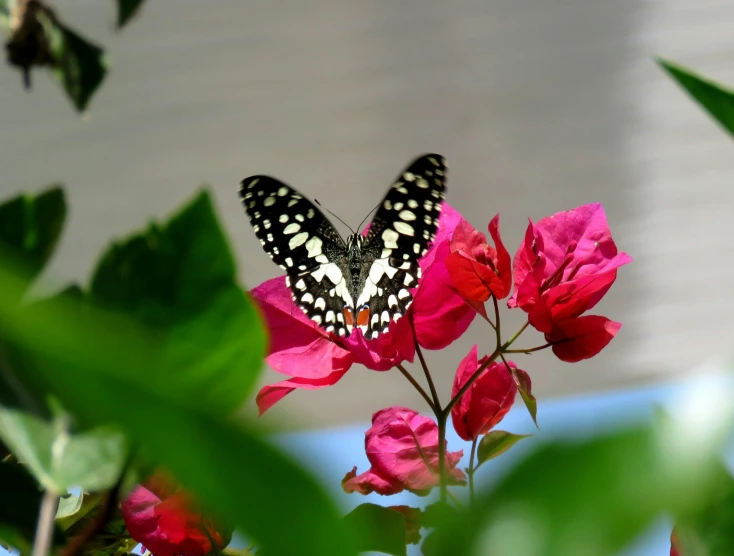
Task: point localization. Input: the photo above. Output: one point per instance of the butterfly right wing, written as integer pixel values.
(301, 240)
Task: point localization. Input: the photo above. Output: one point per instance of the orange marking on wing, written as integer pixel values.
(348, 316)
(363, 318)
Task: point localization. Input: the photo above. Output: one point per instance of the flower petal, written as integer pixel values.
(581, 338)
(439, 312)
(272, 393)
(487, 400)
(402, 445)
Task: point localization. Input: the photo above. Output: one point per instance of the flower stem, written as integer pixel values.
(434, 393)
(45, 527)
(470, 471)
(441, 421)
(509, 342)
(417, 386)
(528, 350)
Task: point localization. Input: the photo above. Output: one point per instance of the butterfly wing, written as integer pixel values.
(400, 233)
(301, 240)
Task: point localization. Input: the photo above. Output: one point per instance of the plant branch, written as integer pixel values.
(528, 350)
(470, 471)
(417, 386)
(45, 527)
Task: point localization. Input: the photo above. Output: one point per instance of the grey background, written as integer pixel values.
(538, 105)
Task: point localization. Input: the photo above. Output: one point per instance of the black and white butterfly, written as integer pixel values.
(364, 282)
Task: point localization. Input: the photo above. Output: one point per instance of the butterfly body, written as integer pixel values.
(365, 282)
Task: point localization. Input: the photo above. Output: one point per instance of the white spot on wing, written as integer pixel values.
(404, 228)
(291, 228)
(320, 303)
(269, 201)
(283, 191)
(297, 240)
(390, 237)
(283, 218)
(407, 215)
(314, 246)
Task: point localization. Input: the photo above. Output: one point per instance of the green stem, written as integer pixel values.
(417, 386)
(441, 419)
(434, 393)
(528, 350)
(470, 471)
(45, 527)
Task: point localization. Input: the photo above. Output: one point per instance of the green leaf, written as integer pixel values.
(30, 227)
(591, 498)
(522, 380)
(715, 98)
(707, 530)
(378, 529)
(179, 279)
(19, 509)
(85, 363)
(495, 443)
(78, 64)
(69, 504)
(126, 10)
(91, 459)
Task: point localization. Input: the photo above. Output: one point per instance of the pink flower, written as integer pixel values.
(565, 265)
(313, 358)
(402, 447)
(477, 269)
(486, 401)
(165, 520)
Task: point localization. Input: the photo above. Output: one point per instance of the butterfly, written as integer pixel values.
(366, 281)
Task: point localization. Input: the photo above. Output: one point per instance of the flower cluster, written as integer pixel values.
(561, 270)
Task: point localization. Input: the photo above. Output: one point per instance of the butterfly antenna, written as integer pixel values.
(368, 215)
(334, 215)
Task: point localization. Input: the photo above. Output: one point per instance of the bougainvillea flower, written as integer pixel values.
(299, 348)
(486, 401)
(165, 520)
(477, 269)
(582, 337)
(402, 447)
(565, 265)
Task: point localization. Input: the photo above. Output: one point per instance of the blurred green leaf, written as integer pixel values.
(30, 227)
(179, 279)
(69, 504)
(591, 498)
(378, 529)
(85, 362)
(126, 10)
(78, 64)
(4, 14)
(707, 530)
(495, 443)
(715, 98)
(19, 507)
(59, 460)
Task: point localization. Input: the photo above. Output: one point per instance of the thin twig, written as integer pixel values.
(528, 350)
(471, 470)
(434, 393)
(45, 527)
(416, 385)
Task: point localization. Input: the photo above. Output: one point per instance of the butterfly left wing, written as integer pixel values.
(301, 240)
(400, 233)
